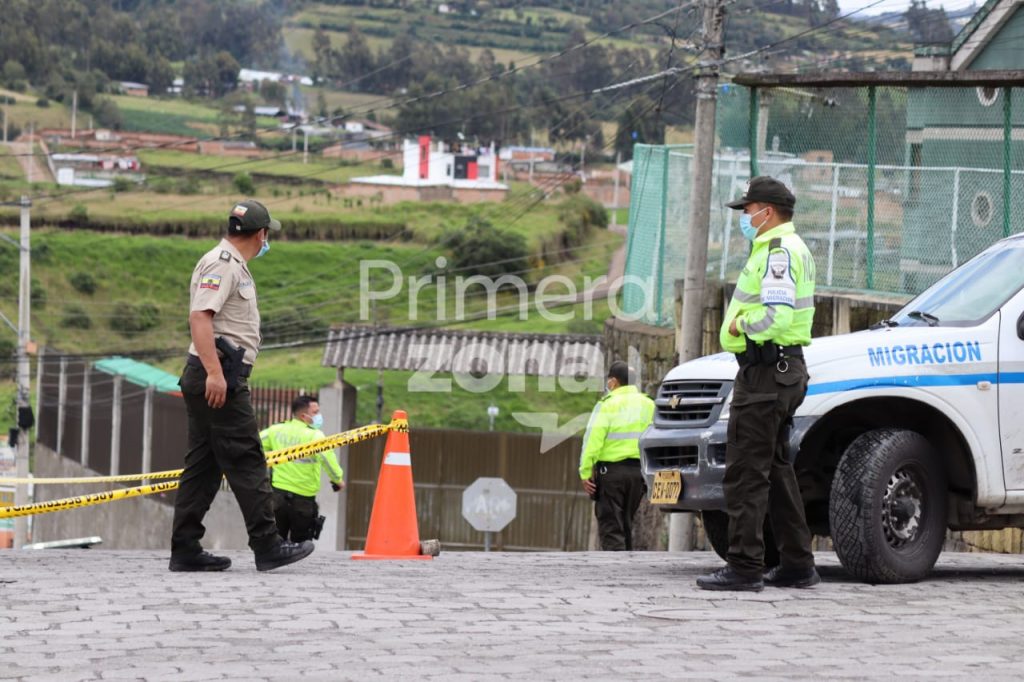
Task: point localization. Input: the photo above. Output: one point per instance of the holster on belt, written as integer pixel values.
(230, 361)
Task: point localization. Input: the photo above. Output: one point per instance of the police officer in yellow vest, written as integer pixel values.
(296, 483)
(767, 324)
(610, 462)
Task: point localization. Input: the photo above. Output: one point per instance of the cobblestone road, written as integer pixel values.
(94, 614)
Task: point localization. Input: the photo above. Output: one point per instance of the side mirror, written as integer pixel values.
(1020, 327)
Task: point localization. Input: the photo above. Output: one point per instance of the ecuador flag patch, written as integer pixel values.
(210, 282)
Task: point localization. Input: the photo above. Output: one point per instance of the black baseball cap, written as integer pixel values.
(250, 216)
(765, 190)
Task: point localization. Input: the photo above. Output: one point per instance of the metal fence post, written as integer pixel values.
(832, 222)
(660, 254)
(956, 217)
(115, 427)
(1007, 149)
(755, 106)
(728, 218)
(147, 432)
(871, 188)
(86, 413)
(62, 399)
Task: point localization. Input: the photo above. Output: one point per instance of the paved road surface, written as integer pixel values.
(95, 614)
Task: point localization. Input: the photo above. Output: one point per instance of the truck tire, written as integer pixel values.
(716, 528)
(887, 510)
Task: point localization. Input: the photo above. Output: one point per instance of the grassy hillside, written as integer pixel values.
(303, 287)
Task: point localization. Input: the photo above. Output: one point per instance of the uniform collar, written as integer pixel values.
(301, 423)
(622, 390)
(230, 248)
(777, 231)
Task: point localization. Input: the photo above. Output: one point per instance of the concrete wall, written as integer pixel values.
(136, 523)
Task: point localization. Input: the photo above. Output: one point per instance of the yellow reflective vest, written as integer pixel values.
(614, 429)
(301, 476)
(774, 296)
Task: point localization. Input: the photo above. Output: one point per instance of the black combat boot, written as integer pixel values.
(726, 578)
(283, 554)
(781, 576)
(204, 561)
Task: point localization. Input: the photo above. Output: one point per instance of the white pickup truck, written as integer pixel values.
(909, 428)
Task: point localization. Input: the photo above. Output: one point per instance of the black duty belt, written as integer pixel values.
(628, 462)
(767, 353)
(194, 361)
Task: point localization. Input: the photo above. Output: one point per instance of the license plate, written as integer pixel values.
(668, 486)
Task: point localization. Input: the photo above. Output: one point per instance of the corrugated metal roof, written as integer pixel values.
(465, 352)
(140, 373)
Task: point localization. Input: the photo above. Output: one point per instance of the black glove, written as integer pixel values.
(335, 487)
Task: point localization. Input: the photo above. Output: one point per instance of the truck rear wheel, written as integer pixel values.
(887, 510)
(716, 528)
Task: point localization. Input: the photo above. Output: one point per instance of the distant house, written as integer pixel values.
(94, 170)
(252, 77)
(955, 136)
(436, 171)
(273, 112)
(526, 154)
(243, 148)
(134, 89)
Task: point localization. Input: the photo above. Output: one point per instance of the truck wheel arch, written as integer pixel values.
(824, 443)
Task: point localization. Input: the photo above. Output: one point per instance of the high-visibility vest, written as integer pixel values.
(615, 426)
(774, 296)
(301, 476)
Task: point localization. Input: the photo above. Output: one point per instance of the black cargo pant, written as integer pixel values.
(620, 488)
(222, 441)
(295, 515)
(758, 477)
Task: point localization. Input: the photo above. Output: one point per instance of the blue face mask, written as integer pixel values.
(264, 248)
(318, 421)
(747, 225)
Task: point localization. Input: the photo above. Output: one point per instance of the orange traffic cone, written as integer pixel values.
(393, 532)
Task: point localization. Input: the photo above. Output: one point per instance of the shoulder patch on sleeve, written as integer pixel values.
(210, 282)
(778, 286)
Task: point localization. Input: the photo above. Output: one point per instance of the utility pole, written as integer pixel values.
(25, 418)
(690, 333)
(305, 146)
(74, 112)
(31, 150)
(615, 193)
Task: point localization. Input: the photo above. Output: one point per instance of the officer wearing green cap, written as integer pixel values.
(223, 438)
(767, 324)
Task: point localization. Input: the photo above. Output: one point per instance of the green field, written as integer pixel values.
(9, 166)
(303, 287)
(280, 164)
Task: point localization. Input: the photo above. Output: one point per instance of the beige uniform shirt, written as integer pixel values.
(222, 283)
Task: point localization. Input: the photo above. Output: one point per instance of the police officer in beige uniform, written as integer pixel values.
(223, 438)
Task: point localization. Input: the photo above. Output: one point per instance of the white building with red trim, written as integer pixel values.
(428, 164)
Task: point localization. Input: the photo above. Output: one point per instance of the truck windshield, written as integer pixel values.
(971, 293)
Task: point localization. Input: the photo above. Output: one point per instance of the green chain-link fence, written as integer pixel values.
(895, 186)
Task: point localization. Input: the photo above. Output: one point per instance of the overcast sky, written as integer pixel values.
(900, 5)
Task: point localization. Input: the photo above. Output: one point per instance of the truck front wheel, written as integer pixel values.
(716, 528)
(887, 507)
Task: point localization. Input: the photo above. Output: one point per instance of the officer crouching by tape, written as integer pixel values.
(296, 483)
(767, 324)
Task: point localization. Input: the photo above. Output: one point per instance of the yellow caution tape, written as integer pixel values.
(84, 500)
(273, 459)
